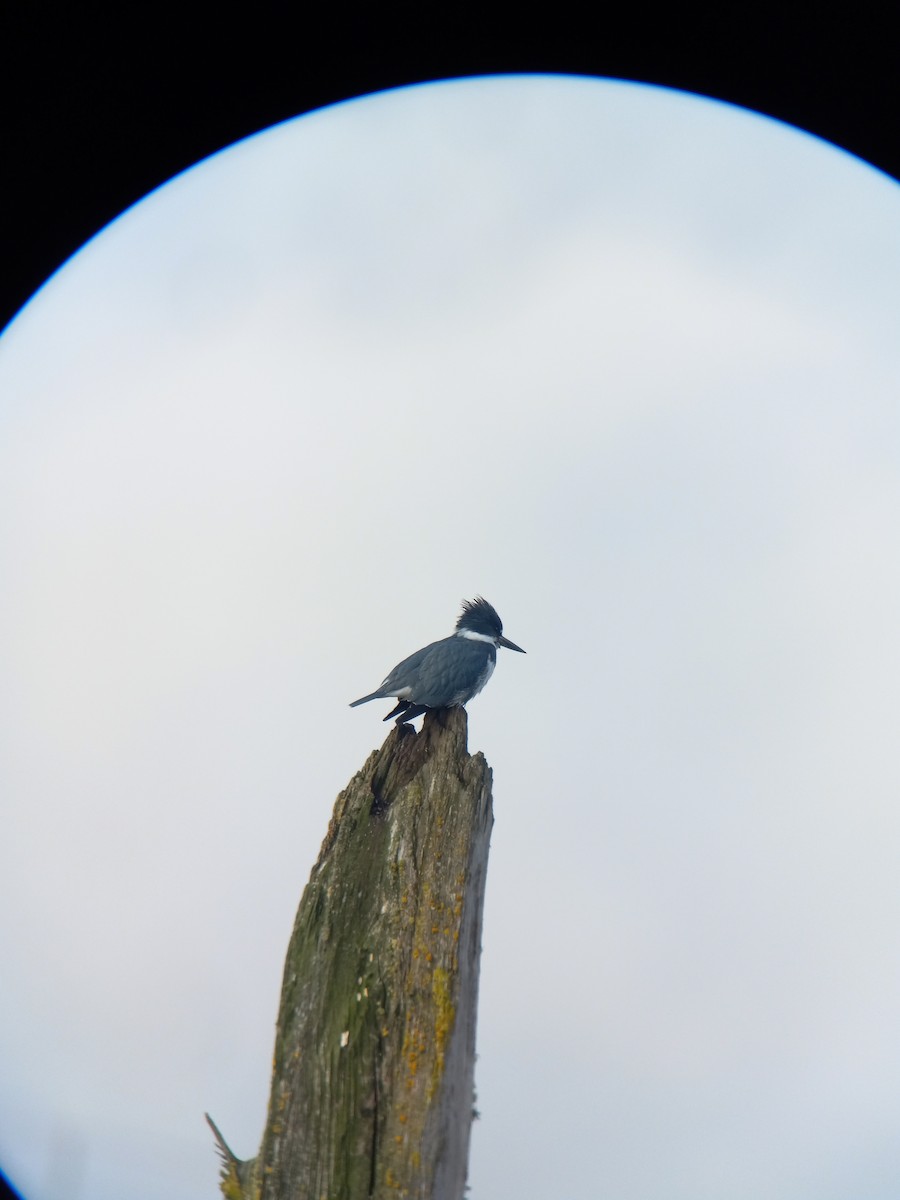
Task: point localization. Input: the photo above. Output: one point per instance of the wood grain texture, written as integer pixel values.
(373, 1075)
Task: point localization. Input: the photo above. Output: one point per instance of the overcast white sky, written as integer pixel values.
(626, 362)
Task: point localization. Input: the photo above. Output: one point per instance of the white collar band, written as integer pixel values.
(476, 637)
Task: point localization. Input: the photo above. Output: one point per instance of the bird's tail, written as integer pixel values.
(366, 699)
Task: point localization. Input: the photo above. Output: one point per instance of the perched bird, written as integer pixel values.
(450, 672)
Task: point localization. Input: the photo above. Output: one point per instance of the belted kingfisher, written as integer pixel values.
(450, 672)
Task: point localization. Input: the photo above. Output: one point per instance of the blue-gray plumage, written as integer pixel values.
(449, 672)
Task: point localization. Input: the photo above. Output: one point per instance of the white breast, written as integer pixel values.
(464, 697)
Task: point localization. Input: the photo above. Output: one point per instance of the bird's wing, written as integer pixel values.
(402, 676)
(452, 666)
(407, 672)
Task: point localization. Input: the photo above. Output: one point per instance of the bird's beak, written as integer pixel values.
(510, 645)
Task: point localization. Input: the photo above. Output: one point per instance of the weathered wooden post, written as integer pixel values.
(372, 1085)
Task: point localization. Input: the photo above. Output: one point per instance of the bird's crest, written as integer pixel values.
(480, 616)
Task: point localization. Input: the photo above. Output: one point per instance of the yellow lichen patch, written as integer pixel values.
(230, 1184)
(444, 1017)
(413, 1047)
